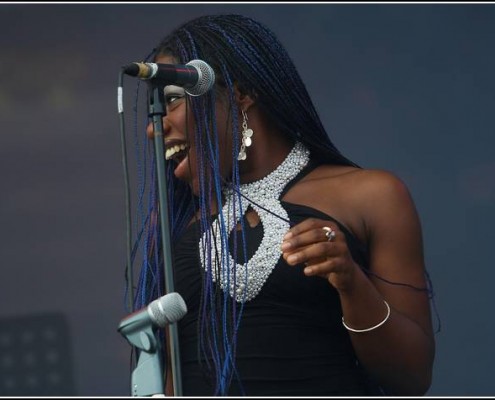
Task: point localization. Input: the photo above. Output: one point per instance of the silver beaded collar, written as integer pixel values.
(245, 281)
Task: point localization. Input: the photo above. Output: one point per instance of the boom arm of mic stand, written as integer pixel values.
(147, 377)
(157, 111)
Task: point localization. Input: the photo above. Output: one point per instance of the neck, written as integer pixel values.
(264, 156)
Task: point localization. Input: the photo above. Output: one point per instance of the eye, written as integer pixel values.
(173, 95)
(171, 98)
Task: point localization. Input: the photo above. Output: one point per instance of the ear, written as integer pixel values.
(244, 100)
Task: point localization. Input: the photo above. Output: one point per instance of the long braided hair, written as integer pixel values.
(244, 53)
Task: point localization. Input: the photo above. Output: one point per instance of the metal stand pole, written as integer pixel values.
(157, 111)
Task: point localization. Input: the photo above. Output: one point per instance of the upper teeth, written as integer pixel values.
(173, 150)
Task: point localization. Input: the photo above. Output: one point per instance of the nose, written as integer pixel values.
(150, 129)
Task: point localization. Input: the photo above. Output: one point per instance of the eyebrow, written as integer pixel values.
(173, 88)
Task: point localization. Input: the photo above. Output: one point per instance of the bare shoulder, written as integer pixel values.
(364, 200)
(366, 185)
(385, 208)
(378, 195)
(377, 184)
(381, 190)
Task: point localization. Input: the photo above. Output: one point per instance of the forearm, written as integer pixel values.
(399, 353)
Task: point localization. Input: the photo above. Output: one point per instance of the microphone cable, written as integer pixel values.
(129, 273)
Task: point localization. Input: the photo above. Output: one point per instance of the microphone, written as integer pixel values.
(159, 313)
(196, 76)
(138, 329)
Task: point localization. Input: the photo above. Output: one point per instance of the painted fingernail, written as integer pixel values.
(285, 246)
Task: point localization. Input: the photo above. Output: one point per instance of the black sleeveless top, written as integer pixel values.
(291, 341)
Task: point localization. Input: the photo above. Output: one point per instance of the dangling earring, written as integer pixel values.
(246, 137)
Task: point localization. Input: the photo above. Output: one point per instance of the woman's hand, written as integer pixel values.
(322, 247)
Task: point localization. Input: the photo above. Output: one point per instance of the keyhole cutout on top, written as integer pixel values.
(252, 218)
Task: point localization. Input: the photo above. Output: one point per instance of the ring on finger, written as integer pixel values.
(329, 233)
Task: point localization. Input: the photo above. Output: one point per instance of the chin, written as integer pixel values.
(194, 185)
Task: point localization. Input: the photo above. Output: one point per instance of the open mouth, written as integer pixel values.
(176, 151)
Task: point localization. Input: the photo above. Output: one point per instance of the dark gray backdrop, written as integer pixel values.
(406, 88)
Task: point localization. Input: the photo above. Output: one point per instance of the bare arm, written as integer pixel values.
(398, 354)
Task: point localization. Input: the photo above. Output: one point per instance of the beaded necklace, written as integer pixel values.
(244, 281)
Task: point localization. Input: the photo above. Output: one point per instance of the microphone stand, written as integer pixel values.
(157, 111)
(147, 377)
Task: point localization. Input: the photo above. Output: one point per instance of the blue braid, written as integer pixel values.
(208, 286)
(223, 372)
(145, 284)
(206, 205)
(215, 159)
(236, 319)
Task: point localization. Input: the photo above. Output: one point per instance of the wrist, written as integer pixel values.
(362, 304)
(370, 328)
(352, 281)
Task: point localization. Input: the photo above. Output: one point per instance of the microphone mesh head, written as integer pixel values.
(206, 78)
(167, 309)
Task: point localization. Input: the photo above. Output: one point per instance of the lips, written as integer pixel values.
(176, 150)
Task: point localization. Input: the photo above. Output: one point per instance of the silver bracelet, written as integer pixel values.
(373, 327)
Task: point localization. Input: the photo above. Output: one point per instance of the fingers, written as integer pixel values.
(315, 243)
(307, 225)
(312, 253)
(310, 232)
(323, 268)
(322, 247)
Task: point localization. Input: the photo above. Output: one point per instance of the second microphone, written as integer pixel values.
(197, 77)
